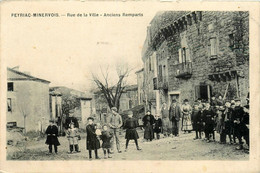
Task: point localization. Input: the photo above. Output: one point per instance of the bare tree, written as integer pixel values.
(112, 92)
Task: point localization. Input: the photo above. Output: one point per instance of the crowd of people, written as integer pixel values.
(227, 118)
(107, 134)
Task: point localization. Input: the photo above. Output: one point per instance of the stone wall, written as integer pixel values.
(231, 33)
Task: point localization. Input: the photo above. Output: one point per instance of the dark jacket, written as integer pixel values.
(238, 113)
(106, 137)
(208, 116)
(157, 125)
(197, 120)
(70, 120)
(130, 126)
(92, 140)
(174, 113)
(52, 133)
(148, 119)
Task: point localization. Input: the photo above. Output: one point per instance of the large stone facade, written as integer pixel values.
(200, 54)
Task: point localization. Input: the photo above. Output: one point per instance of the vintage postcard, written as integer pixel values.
(133, 86)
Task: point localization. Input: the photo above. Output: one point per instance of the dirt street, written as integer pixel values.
(176, 148)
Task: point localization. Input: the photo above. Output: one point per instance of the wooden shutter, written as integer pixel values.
(180, 55)
(188, 58)
(197, 92)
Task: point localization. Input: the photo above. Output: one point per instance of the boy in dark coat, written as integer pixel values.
(52, 137)
(238, 124)
(228, 122)
(157, 126)
(130, 125)
(197, 121)
(92, 139)
(208, 116)
(245, 122)
(106, 137)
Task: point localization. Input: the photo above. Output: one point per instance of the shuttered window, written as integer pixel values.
(213, 46)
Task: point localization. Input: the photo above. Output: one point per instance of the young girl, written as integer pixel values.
(131, 133)
(92, 139)
(106, 137)
(157, 126)
(73, 135)
(52, 139)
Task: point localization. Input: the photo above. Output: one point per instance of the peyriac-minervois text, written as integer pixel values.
(34, 14)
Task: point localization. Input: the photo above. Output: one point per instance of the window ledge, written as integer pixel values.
(212, 57)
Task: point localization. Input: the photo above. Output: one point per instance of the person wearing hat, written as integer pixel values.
(197, 121)
(148, 120)
(115, 122)
(220, 128)
(166, 130)
(238, 124)
(92, 141)
(208, 121)
(131, 133)
(71, 119)
(228, 122)
(245, 122)
(174, 116)
(52, 137)
(186, 116)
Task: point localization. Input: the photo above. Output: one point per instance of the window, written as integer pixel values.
(231, 40)
(213, 46)
(9, 105)
(160, 72)
(203, 92)
(150, 64)
(10, 86)
(184, 55)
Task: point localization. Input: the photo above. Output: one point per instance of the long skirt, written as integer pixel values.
(187, 126)
(131, 134)
(166, 125)
(148, 132)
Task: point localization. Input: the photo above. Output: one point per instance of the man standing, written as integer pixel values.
(238, 124)
(165, 120)
(174, 116)
(71, 119)
(115, 122)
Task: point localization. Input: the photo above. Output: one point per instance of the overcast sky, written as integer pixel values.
(66, 50)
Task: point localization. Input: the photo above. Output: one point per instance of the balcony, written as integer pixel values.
(163, 83)
(183, 70)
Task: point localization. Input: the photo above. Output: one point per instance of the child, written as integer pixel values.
(52, 139)
(220, 128)
(106, 137)
(73, 135)
(197, 121)
(157, 126)
(131, 133)
(208, 116)
(92, 139)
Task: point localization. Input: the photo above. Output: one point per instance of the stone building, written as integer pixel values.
(198, 54)
(70, 99)
(140, 86)
(27, 101)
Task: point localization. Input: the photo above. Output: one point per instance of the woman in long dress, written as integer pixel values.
(186, 119)
(148, 120)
